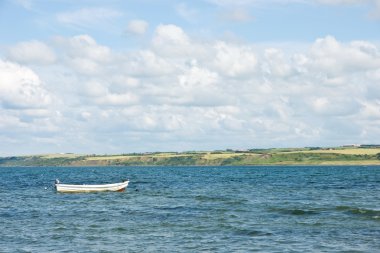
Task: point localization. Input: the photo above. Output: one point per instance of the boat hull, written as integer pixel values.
(72, 188)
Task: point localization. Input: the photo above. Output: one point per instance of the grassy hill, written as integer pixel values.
(298, 156)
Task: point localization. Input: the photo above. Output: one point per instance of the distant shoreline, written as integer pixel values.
(365, 156)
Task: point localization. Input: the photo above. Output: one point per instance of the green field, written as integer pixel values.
(283, 156)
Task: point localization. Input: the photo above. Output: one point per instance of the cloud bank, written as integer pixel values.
(182, 93)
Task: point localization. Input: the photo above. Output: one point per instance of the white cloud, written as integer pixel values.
(180, 88)
(371, 110)
(94, 88)
(27, 109)
(147, 63)
(88, 16)
(10, 122)
(31, 52)
(334, 58)
(21, 88)
(137, 27)
(335, 106)
(84, 46)
(199, 87)
(375, 13)
(123, 99)
(84, 54)
(373, 4)
(186, 12)
(238, 15)
(171, 40)
(234, 61)
(99, 94)
(275, 63)
(196, 78)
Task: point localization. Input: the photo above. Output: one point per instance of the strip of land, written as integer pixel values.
(353, 155)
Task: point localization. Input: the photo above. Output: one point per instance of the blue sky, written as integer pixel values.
(133, 76)
(267, 21)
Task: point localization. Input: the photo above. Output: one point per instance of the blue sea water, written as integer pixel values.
(193, 209)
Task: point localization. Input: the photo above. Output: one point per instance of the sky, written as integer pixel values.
(122, 76)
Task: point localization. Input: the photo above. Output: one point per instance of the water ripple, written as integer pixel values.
(193, 209)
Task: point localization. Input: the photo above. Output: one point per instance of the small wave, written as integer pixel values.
(295, 211)
(230, 201)
(302, 212)
(59, 228)
(170, 208)
(368, 213)
(6, 215)
(119, 229)
(251, 232)
(204, 198)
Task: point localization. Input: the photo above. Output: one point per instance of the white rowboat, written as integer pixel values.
(72, 188)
